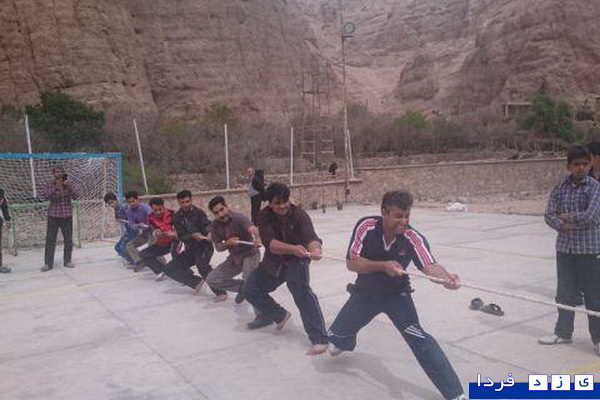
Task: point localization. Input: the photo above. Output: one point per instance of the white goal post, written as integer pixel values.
(24, 176)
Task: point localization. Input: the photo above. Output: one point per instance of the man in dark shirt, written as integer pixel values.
(290, 244)
(59, 192)
(195, 248)
(380, 249)
(227, 230)
(594, 149)
(4, 219)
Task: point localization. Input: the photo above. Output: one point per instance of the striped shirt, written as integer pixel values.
(367, 242)
(581, 202)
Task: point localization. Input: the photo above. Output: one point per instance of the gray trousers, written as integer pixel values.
(138, 241)
(223, 276)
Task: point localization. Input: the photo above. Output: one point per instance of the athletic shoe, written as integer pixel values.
(553, 339)
(597, 348)
(45, 268)
(259, 322)
(160, 277)
(69, 265)
(334, 351)
(5, 270)
(239, 297)
(461, 397)
(285, 319)
(139, 268)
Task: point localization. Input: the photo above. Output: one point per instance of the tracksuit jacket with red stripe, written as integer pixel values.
(367, 242)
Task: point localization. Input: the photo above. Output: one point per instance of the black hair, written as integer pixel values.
(156, 201)
(576, 153)
(216, 200)
(2, 193)
(397, 198)
(131, 194)
(277, 190)
(109, 196)
(183, 194)
(594, 148)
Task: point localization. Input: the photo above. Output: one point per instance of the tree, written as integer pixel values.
(216, 115)
(409, 131)
(549, 118)
(67, 123)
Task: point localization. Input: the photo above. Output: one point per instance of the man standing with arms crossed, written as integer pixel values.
(59, 192)
(573, 210)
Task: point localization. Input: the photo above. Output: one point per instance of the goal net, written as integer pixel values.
(24, 178)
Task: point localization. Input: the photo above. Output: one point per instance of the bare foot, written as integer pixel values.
(198, 287)
(220, 298)
(281, 323)
(318, 348)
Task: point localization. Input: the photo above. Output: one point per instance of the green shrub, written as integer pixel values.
(67, 123)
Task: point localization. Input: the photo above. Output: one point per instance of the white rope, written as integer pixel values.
(475, 286)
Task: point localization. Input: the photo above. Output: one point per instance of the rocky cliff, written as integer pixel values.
(171, 58)
(156, 57)
(458, 56)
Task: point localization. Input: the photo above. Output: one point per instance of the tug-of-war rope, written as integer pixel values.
(481, 288)
(475, 286)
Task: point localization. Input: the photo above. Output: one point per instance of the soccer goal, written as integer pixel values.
(24, 176)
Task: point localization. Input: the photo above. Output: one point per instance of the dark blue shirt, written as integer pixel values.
(121, 212)
(367, 242)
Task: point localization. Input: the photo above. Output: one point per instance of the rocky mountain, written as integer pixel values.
(460, 56)
(154, 57)
(172, 58)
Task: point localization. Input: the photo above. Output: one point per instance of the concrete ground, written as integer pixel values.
(101, 332)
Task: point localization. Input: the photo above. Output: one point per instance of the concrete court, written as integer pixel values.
(101, 332)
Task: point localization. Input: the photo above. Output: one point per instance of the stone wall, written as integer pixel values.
(308, 195)
(450, 181)
(428, 182)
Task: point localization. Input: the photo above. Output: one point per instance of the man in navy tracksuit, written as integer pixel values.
(380, 249)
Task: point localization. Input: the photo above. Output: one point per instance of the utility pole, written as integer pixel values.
(347, 31)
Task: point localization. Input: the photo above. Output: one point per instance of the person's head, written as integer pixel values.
(395, 210)
(1, 194)
(594, 149)
(184, 198)
(59, 173)
(219, 208)
(111, 200)
(157, 204)
(578, 162)
(250, 172)
(278, 196)
(132, 199)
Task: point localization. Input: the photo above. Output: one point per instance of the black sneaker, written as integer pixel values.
(239, 297)
(5, 270)
(46, 268)
(259, 322)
